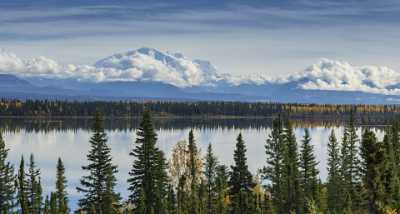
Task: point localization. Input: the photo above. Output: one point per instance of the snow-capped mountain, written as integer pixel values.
(150, 73)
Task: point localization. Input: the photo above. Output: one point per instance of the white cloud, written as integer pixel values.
(342, 76)
(147, 64)
(142, 64)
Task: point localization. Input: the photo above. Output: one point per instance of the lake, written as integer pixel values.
(68, 139)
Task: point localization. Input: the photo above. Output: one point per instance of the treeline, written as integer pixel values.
(49, 108)
(363, 177)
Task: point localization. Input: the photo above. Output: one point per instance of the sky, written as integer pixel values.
(270, 37)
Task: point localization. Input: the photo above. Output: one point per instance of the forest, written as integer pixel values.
(53, 108)
(363, 176)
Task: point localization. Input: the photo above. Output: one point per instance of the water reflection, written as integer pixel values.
(49, 140)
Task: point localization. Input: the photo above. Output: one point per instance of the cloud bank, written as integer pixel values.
(342, 76)
(147, 64)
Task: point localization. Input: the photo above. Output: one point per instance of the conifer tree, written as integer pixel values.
(61, 192)
(241, 180)
(308, 171)
(171, 201)
(210, 166)
(22, 184)
(182, 196)
(96, 186)
(221, 188)
(46, 207)
(53, 203)
(373, 163)
(334, 183)
(7, 178)
(34, 190)
(194, 177)
(350, 167)
(391, 177)
(148, 173)
(274, 149)
(291, 174)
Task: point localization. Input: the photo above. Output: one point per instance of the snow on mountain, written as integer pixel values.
(151, 65)
(148, 64)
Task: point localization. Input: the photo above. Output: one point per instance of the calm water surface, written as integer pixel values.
(48, 140)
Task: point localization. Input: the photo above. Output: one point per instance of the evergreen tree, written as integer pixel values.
(273, 171)
(350, 167)
(171, 206)
(61, 192)
(22, 184)
(34, 190)
(210, 166)
(95, 185)
(7, 178)
(53, 203)
(148, 173)
(194, 177)
(334, 177)
(309, 171)
(391, 177)
(373, 163)
(291, 174)
(46, 207)
(221, 188)
(182, 196)
(241, 180)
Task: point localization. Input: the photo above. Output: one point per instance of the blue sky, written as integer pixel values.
(261, 37)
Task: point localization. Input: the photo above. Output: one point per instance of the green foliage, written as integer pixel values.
(98, 185)
(373, 166)
(334, 184)
(148, 177)
(221, 188)
(273, 172)
(192, 149)
(308, 170)
(34, 188)
(61, 195)
(7, 178)
(210, 173)
(291, 175)
(241, 180)
(22, 185)
(350, 167)
(362, 178)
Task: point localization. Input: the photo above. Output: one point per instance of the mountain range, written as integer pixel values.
(147, 73)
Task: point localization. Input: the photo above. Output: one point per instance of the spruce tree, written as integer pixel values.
(194, 177)
(34, 190)
(391, 177)
(182, 196)
(373, 163)
(7, 178)
(61, 192)
(53, 203)
(221, 188)
(274, 149)
(210, 166)
(291, 174)
(308, 171)
(171, 206)
(46, 207)
(350, 167)
(148, 173)
(241, 180)
(95, 185)
(334, 184)
(22, 186)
